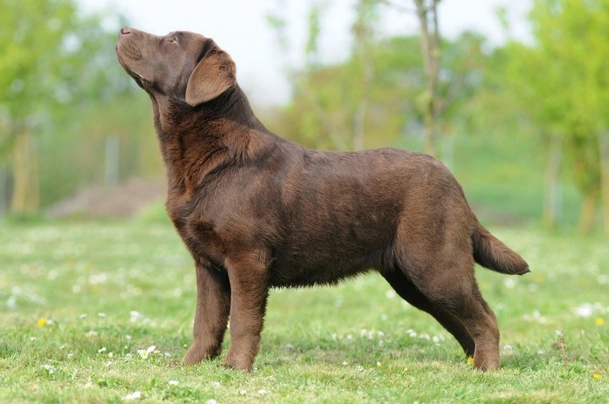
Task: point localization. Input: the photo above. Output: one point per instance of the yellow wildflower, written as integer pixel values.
(599, 321)
(41, 322)
(470, 361)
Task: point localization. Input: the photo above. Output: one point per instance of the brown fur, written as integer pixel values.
(257, 211)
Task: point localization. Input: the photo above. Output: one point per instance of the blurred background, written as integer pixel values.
(511, 95)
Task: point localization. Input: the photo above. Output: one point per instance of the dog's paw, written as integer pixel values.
(238, 363)
(196, 354)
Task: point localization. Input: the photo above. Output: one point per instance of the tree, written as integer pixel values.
(363, 42)
(52, 58)
(538, 97)
(562, 83)
(339, 117)
(431, 47)
(345, 109)
(393, 110)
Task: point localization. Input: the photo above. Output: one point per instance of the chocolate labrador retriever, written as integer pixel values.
(258, 211)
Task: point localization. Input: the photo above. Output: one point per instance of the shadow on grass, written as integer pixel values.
(358, 351)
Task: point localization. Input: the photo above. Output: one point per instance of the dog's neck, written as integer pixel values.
(172, 115)
(196, 140)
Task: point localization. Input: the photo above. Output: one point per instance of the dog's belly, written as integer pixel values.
(299, 277)
(323, 266)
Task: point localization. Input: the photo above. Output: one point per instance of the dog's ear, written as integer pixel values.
(213, 75)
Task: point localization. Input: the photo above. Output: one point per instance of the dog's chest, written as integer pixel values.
(203, 242)
(197, 233)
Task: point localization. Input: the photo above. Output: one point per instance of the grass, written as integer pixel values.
(83, 305)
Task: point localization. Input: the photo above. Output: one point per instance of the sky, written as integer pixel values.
(241, 29)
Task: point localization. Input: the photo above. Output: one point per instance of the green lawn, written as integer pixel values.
(83, 305)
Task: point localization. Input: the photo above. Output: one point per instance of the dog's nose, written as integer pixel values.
(125, 31)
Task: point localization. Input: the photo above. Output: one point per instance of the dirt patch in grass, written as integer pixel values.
(120, 201)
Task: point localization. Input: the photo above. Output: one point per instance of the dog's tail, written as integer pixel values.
(491, 253)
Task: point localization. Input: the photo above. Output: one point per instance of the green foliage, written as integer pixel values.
(52, 58)
(561, 84)
(393, 96)
(81, 304)
(60, 85)
(312, 47)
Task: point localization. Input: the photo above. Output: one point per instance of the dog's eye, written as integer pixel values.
(174, 40)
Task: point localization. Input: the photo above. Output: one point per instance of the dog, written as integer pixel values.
(258, 211)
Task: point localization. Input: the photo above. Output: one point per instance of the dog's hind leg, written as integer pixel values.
(452, 286)
(434, 251)
(211, 317)
(409, 292)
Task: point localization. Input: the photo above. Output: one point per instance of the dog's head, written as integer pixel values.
(181, 65)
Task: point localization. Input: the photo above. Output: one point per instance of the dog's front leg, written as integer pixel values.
(249, 286)
(211, 316)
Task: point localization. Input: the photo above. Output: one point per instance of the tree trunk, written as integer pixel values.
(359, 115)
(24, 161)
(358, 124)
(603, 148)
(335, 134)
(550, 203)
(588, 212)
(430, 47)
(363, 37)
(3, 190)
